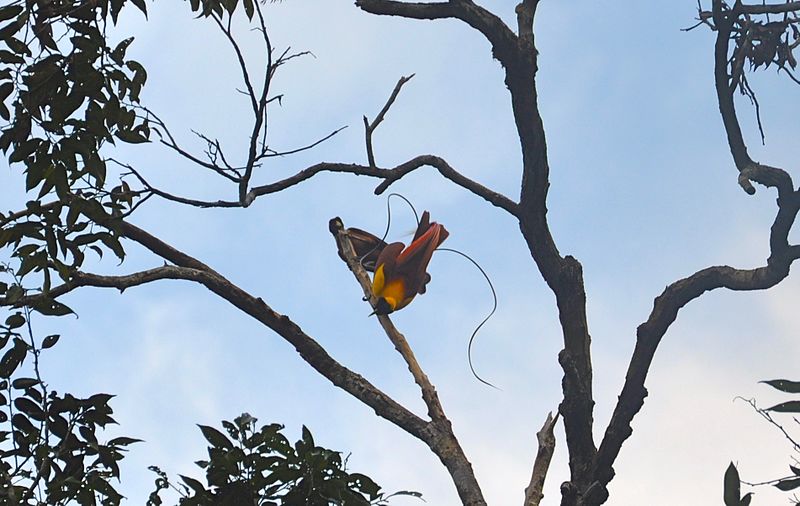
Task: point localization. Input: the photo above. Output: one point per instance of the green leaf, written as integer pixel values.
(99, 400)
(198, 487)
(746, 499)
(308, 439)
(732, 490)
(18, 46)
(21, 423)
(786, 407)
(123, 441)
(230, 5)
(15, 292)
(215, 437)
(12, 358)
(15, 321)
(49, 307)
(131, 136)
(9, 11)
(790, 387)
(50, 341)
(790, 484)
(23, 383)
(9, 30)
(10, 58)
(118, 54)
(5, 90)
(24, 150)
(249, 8)
(141, 5)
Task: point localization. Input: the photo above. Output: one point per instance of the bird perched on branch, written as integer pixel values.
(400, 271)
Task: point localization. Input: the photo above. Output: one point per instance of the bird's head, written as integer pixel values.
(385, 306)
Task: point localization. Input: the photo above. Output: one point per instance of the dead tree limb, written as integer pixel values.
(369, 127)
(546, 441)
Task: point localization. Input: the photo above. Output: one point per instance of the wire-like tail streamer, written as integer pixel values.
(494, 308)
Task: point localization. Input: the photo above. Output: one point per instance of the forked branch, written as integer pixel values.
(369, 128)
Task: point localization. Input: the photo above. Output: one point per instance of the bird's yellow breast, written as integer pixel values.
(393, 290)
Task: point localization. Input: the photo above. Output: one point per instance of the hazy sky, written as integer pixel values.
(643, 193)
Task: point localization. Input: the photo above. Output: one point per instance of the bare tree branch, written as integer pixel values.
(496, 199)
(546, 440)
(768, 8)
(369, 128)
(259, 108)
(314, 144)
(24, 213)
(172, 144)
(189, 268)
(491, 26)
(390, 176)
(226, 29)
(80, 279)
(680, 293)
(175, 198)
(649, 334)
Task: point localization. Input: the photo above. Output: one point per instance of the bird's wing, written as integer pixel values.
(367, 246)
(413, 261)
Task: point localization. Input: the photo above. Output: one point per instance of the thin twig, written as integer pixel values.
(304, 148)
(369, 128)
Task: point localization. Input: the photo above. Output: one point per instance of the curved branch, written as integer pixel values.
(723, 21)
(176, 198)
(494, 198)
(678, 294)
(314, 144)
(80, 279)
(172, 144)
(492, 27)
(649, 334)
(390, 176)
(725, 85)
(240, 58)
(768, 8)
(369, 128)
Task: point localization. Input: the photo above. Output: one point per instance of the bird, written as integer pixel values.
(401, 272)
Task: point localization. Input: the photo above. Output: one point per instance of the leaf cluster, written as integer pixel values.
(791, 482)
(764, 42)
(247, 465)
(64, 94)
(49, 447)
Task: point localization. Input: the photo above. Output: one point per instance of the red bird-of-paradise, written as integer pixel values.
(400, 271)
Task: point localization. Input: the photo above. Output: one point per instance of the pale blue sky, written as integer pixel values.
(643, 192)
